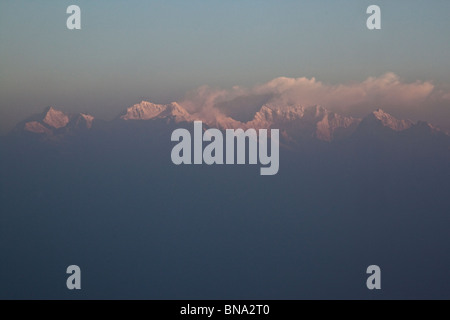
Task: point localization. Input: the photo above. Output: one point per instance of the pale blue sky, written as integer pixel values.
(158, 50)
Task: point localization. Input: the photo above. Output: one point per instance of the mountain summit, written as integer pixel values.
(386, 120)
(147, 110)
(55, 118)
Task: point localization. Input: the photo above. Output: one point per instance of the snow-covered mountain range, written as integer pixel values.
(295, 122)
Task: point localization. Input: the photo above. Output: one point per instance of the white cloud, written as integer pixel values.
(384, 91)
(358, 99)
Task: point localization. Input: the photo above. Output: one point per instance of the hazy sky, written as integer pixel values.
(158, 50)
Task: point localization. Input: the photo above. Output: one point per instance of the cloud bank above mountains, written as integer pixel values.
(419, 99)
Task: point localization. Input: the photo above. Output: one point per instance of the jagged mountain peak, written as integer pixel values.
(55, 118)
(147, 110)
(385, 119)
(82, 120)
(269, 113)
(143, 110)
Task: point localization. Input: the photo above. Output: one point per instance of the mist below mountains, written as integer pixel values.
(105, 196)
